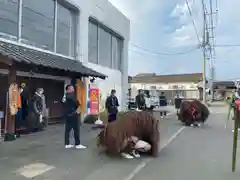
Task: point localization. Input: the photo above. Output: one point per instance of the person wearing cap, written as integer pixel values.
(71, 109)
(24, 100)
(112, 106)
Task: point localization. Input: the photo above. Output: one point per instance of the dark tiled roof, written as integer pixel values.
(153, 78)
(22, 54)
(224, 84)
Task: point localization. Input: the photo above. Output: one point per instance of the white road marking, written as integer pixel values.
(144, 164)
(32, 170)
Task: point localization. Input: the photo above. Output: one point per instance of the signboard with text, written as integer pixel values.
(94, 100)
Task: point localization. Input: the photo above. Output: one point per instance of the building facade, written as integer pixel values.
(93, 32)
(184, 84)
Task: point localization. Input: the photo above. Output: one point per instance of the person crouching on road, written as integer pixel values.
(71, 106)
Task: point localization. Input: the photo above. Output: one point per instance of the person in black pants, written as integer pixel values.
(72, 118)
(112, 106)
(140, 100)
(163, 104)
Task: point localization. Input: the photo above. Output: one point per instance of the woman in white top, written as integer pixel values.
(139, 146)
(148, 101)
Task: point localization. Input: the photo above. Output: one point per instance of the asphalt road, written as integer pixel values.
(42, 156)
(196, 154)
(187, 154)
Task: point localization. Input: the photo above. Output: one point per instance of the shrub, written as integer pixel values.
(90, 119)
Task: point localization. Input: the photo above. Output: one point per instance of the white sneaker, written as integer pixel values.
(135, 154)
(80, 147)
(127, 156)
(68, 146)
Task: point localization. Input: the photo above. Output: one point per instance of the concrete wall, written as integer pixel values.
(107, 14)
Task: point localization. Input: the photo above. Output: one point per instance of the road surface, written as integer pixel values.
(187, 154)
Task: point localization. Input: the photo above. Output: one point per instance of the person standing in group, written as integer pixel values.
(140, 100)
(35, 115)
(148, 102)
(163, 104)
(72, 117)
(112, 106)
(19, 119)
(45, 113)
(236, 97)
(24, 93)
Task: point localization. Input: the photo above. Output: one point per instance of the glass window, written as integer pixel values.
(104, 48)
(114, 52)
(105, 52)
(93, 43)
(38, 23)
(119, 54)
(9, 17)
(64, 33)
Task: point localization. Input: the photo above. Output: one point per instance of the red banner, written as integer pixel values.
(94, 100)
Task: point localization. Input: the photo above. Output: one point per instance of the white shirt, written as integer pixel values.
(148, 102)
(237, 95)
(144, 146)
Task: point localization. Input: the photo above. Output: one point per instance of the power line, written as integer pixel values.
(228, 45)
(161, 53)
(193, 22)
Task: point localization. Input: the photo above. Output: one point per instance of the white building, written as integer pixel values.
(102, 15)
(185, 84)
(93, 32)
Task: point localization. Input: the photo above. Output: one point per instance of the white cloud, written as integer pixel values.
(186, 34)
(135, 10)
(140, 12)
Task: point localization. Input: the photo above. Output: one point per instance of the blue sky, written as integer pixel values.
(165, 26)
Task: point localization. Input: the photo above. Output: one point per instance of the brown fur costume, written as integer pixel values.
(186, 116)
(141, 124)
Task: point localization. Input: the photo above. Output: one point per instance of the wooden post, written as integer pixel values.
(235, 136)
(10, 119)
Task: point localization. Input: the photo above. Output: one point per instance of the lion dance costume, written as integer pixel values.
(140, 124)
(193, 112)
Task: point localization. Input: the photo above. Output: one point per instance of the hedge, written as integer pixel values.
(90, 119)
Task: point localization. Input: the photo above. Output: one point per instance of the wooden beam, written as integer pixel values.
(10, 119)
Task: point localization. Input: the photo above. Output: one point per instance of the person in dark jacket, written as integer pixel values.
(140, 100)
(163, 104)
(112, 106)
(71, 106)
(35, 115)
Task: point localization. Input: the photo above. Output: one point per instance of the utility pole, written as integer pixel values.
(208, 47)
(211, 45)
(204, 53)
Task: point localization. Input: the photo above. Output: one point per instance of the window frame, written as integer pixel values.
(75, 13)
(120, 46)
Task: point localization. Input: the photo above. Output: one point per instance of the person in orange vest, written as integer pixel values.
(18, 121)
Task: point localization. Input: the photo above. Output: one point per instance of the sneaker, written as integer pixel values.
(127, 156)
(68, 146)
(80, 147)
(135, 154)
